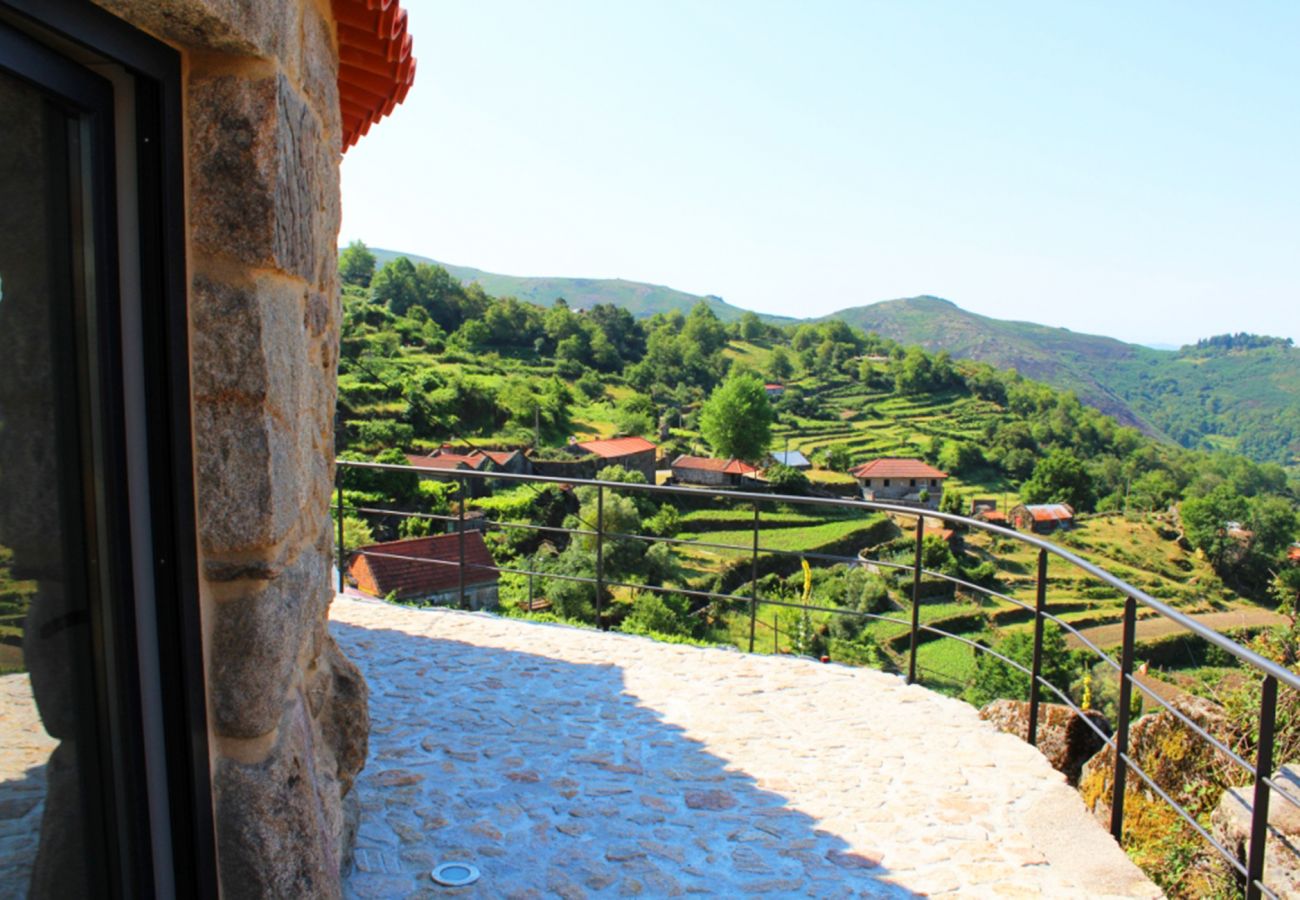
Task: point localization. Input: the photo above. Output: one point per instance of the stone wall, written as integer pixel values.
(287, 710)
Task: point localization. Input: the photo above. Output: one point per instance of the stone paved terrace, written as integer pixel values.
(25, 750)
(564, 762)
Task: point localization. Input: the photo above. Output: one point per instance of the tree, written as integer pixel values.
(786, 480)
(837, 458)
(396, 286)
(1205, 521)
(356, 265)
(995, 678)
(737, 418)
(1060, 478)
(779, 367)
(703, 330)
(751, 329)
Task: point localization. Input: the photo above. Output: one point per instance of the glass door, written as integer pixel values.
(93, 795)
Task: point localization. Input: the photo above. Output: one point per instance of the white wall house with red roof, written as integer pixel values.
(907, 481)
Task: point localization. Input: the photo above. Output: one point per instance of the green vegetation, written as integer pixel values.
(636, 297)
(427, 358)
(15, 598)
(1231, 392)
(736, 420)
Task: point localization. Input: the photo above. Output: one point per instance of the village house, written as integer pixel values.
(1042, 518)
(792, 458)
(715, 472)
(774, 391)
(908, 481)
(635, 454)
(1293, 553)
(427, 570)
(449, 460)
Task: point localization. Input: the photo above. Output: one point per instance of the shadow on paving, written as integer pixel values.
(553, 781)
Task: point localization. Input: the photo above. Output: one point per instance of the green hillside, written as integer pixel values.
(1235, 396)
(1242, 398)
(640, 299)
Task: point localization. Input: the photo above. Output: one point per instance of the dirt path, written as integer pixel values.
(1159, 626)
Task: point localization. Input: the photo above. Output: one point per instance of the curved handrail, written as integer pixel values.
(1246, 655)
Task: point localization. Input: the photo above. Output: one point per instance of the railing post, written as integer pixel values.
(1040, 607)
(600, 554)
(460, 541)
(339, 505)
(753, 583)
(1121, 732)
(1263, 769)
(916, 597)
(776, 633)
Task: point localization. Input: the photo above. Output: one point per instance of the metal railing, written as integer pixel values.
(1250, 872)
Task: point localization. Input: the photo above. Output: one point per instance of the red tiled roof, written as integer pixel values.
(615, 447)
(1293, 553)
(446, 461)
(422, 566)
(376, 67)
(1051, 512)
(897, 468)
(991, 515)
(708, 464)
(774, 387)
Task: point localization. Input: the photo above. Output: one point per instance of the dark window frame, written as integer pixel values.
(156, 71)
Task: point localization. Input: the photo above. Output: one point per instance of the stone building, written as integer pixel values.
(1042, 518)
(716, 472)
(635, 454)
(908, 481)
(169, 212)
(427, 570)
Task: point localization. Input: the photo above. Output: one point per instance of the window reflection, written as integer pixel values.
(48, 744)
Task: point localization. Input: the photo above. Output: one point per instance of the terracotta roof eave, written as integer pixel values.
(376, 69)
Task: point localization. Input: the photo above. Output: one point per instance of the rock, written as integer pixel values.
(1164, 748)
(269, 174)
(1230, 826)
(345, 720)
(278, 833)
(1063, 735)
(257, 639)
(714, 800)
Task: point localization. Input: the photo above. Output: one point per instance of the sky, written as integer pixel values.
(1129, 169)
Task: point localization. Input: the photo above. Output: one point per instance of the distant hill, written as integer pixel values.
(640, 299)
(1241, 398)
(1222, 394)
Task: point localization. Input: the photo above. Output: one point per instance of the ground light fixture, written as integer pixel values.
(455, 874)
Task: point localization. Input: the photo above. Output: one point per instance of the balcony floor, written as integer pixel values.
(564, 762)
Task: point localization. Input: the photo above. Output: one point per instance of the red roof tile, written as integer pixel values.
(422, 566)
(708, 464)
(446, 461)
(1051, 512)
(897, 468)
(376, 68)
(615, 447)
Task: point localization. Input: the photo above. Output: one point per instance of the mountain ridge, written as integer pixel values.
(1247, 400)
(642, 299)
